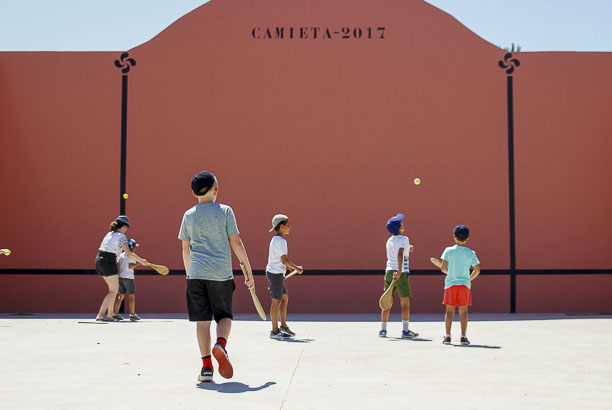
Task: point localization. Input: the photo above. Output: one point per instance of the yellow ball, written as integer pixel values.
(417, 181)
(125, 196)
(7, 252)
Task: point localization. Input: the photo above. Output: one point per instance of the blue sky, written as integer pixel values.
(114, 25)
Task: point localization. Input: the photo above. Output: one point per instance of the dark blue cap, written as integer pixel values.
(394, 224)
(461, 232)
(132, 243)
(124, 219)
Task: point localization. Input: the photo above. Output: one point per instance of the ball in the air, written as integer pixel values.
(7, 252)
(417, 181)
(125, 196)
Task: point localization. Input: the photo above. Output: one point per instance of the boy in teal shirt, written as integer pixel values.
(456, 263)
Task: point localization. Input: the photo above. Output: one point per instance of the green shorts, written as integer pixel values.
(402, 286)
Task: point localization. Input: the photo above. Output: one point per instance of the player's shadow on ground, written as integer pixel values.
(478, 346)
(233, 387)
(295, 340)
(412, 339)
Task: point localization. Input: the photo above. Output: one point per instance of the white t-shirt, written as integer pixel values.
(124, 262)
(278, 248)
(113, 242)
(394, 243)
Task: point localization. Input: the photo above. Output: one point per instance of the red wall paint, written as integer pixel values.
(331, 132)
(313, 294)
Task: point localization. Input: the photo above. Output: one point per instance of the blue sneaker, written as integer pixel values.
(382, 333)
(408, 334)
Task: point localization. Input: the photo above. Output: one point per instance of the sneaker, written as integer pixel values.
(225, 367)
(447, 340)
(134, 317)
(279, 335)
(206, 375)
(118, 317)
(107, 319)
(408, 334)
(464, 341)
(286, 331)
(382, 333)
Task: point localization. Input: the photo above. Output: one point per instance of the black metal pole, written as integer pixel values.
(511, 197)
(124, 63)
(509, 64)
(123, 188)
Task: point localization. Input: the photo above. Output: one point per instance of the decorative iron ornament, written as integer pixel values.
(509, 63)
(125, 63)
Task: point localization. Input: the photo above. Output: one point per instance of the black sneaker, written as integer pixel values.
(447, 340)
(225, 367)
(134, 317)
(118, 317)
(206, 375)
(278, 335)
(286, 331)
(408, 334)
(464, 341)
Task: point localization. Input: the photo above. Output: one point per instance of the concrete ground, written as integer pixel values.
(335, 362)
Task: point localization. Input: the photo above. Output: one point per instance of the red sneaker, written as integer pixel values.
(225, 367)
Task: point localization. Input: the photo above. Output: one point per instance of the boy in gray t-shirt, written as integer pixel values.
(208, 231)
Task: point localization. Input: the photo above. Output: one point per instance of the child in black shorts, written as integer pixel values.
(208, 232)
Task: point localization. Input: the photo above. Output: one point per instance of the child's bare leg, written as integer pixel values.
(283, 310)
(108, 303)
(203, 332)
(450, 312)
(118, 301)
(274, 310)
(223, 328)
(405, 302)
(132, 304)
(463, 315)
(384, 314)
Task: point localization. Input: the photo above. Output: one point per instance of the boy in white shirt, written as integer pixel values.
(398, 247)
(126, 283)
(275, 272)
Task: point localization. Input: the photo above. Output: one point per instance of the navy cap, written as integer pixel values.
(461, 232)
(394, 224)
(132, 243)
(202, 182)
(124, 219)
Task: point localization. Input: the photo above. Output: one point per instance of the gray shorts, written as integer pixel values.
(126, 286)
(277, 285)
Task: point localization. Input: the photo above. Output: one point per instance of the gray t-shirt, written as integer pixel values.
(207, 227)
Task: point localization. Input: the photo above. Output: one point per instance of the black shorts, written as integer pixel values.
(208, 299)
(106, 264)
(277, 285)
(126, 285)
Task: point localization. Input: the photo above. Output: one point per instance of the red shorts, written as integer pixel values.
(457, 296)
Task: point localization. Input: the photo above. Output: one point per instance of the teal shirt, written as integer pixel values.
(208, 227)
(459, 260)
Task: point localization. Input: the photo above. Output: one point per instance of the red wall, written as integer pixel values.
(313, 294)
(331, 132)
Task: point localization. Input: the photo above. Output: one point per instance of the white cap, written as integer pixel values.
(278, 218)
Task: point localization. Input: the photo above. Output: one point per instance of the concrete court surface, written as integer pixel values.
(555, 361)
